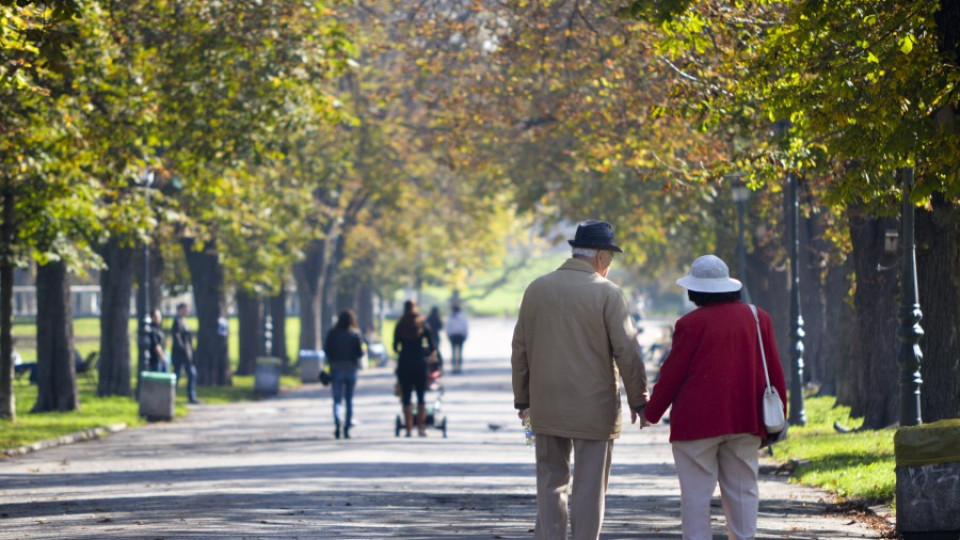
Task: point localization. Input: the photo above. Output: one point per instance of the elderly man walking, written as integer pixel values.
(574, 334)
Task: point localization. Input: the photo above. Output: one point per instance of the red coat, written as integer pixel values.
(713, 376)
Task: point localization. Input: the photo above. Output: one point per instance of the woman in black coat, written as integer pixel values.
(412, 340)
(344, 349)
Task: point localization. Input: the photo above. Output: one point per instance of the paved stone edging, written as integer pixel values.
(79, 436)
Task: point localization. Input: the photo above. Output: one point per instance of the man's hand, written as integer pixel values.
(523, 414)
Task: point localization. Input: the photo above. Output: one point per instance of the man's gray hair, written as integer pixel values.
(588, 253)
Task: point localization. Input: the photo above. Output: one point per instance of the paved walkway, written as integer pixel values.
(271, 469)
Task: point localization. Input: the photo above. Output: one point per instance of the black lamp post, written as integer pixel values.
(146, 180)
(267, 329)
(740, 195)
(909, 314)
(798, 415)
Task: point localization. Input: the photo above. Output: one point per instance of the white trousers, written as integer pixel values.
(731, 459)
(591, 473)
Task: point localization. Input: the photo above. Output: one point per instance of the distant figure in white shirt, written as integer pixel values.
(457, 333)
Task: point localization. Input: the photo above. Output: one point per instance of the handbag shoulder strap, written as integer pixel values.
(763, 354)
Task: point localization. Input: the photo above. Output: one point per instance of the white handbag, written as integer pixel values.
(773, 419)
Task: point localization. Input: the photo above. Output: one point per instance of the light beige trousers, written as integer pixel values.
(591, 472)
(731, 459)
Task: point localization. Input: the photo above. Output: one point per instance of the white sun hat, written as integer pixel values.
(709, 274)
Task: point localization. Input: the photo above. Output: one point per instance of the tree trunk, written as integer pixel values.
(838, 317)
(116, 286)
(769, 289)
(348, 293)
(938, 276)
(875, 368)
(308, 275)
(278, 320)
(365, 309)
(56, 371)
(328, 298)
(8, 409)
(206, 277)
(250, 315)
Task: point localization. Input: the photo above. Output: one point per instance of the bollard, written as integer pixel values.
(311, 362)
(158, 395)
(928, 480)
(266, 376)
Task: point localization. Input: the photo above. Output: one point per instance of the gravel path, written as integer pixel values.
(272, 469)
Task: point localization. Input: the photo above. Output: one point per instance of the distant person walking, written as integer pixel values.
(573, 336)
(413, 342)
(714, 379)
(181, 351)
(344, 349)
(457, 334)
(156, 358)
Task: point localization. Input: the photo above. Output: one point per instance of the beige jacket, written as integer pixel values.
(573, 333)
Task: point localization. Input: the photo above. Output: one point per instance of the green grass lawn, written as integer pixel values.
(94, 412)
(857, 466)
(86, 334)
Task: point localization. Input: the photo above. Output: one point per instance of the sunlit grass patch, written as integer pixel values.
(94, 412)
(856, 466)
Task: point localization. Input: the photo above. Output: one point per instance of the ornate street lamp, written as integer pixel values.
(267, 329)
(909, 314)
(740, 195)
(798, 415)
(146, 181)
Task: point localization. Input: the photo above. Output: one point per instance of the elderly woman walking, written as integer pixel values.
(714, 379)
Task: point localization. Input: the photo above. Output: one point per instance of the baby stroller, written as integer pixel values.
(434, 405)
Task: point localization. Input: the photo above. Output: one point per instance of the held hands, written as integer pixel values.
(523, 414)
(643, 419)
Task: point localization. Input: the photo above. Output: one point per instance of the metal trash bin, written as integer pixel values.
(266, 376)
(311, 362)
(928, 480)
(158, 395)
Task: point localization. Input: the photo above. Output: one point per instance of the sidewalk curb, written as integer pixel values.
(879, 513)
(79, 436)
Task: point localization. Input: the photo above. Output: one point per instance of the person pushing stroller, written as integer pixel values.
(415, 346)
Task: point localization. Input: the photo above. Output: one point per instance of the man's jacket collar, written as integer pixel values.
(578, 264)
